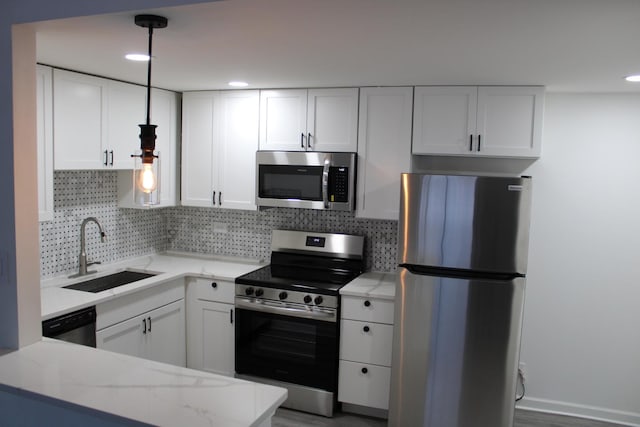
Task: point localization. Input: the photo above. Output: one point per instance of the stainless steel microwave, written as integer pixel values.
(306, 179)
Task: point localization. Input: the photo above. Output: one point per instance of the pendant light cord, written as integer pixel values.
(149, 78)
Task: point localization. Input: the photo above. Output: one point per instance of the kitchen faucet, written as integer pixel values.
(82, 259)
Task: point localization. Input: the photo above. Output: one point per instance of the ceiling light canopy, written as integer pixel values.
(146, 188)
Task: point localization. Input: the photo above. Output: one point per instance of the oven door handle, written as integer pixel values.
(325, 183)
(326, 315)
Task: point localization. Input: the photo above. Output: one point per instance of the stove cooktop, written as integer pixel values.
(302, 279)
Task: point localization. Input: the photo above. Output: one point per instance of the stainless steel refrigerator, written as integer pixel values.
(462, 253)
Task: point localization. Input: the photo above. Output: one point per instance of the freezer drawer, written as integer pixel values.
(455, 353)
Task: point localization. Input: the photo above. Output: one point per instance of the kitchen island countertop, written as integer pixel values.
(76, 377)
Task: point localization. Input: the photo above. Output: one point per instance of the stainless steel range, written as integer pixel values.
(287, 328)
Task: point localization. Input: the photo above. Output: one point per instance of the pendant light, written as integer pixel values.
(146, 173)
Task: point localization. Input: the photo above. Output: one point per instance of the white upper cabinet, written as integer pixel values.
(44, 89)
(79, 128)
(219, 143)
(125, 112)
(309, 120)
(96, 121)
(165, 113)
(491, 121)
(384, 149)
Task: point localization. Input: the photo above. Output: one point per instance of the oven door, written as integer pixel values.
(284, 348)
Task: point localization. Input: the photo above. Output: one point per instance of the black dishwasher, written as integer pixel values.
(77, 327)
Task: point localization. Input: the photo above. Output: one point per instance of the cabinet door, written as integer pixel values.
(44, 89)
(283, 119)
(510, 121)
(164, 113)
(384, 149)
(211, 337)
(444, 120)
(332, 120)
(125, 337)
(126, 110)
(197, 149)
(236, 133)
(165, 337)
(79, 122)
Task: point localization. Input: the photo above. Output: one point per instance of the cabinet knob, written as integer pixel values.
(367, 303)
(364, 370)
(214, 285)
(366, 329)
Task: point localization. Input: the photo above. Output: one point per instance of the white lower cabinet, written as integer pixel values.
(149, 324)
(366, 336)
(211, 335)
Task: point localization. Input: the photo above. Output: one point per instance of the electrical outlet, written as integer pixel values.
(522, 369)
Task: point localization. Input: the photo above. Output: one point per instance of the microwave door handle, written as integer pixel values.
(325, 183)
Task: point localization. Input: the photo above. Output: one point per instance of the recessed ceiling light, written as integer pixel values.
(634, 78)
(238, 84)
(137, 57)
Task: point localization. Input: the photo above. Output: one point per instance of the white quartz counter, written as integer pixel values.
(57, 300)
(136, 389)
(372, 285)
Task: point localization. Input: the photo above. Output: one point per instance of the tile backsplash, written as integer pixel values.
(135, 232)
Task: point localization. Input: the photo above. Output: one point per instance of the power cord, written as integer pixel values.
(521, 380)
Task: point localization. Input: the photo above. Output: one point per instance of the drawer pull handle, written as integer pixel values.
(214, 285)
(364, 370)
(366, 329)
(144, 323)
(367, 303)
(149, 324)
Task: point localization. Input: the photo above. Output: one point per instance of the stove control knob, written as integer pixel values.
(282, 295)
(248, 291)
(307, 299)
(259, 292)
(318, 300)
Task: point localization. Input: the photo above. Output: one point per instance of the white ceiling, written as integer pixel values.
(566, 45)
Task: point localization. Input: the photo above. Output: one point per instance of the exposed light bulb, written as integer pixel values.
(147, 181)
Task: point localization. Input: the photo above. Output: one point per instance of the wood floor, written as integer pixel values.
(289, 418)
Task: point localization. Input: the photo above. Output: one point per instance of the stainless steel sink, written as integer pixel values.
(110, 281)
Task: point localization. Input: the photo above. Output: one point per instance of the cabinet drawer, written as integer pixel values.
(367, 309)
(366, 342)
(211, 290)
(363, 384)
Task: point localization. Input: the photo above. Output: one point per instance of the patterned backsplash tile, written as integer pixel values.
(135, 232)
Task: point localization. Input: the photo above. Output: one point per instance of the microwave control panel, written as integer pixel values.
(338, 184)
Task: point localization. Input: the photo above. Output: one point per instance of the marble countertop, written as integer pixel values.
(56, 300)
(372, 285)
(136, 389)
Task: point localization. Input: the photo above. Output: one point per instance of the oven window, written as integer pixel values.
(290, 182)
(284, 348)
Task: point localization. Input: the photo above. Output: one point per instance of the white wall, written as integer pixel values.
(581, 336)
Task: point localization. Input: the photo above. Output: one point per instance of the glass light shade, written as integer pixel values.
(146, 181)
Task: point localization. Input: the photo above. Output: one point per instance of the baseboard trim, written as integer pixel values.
(582, 411)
